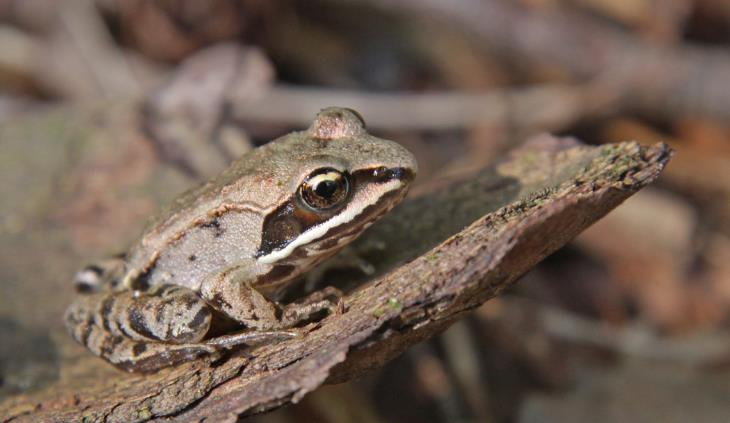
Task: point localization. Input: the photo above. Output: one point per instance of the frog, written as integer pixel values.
(211, 272)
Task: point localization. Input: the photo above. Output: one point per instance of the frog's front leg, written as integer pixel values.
(142, 331)
(232, 294)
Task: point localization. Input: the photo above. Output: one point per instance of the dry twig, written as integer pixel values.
(543, 107)
(662, 80)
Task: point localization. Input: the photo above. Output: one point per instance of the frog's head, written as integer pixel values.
(341, 180)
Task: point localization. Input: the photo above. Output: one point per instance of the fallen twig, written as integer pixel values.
(543, 107)
(663, 80)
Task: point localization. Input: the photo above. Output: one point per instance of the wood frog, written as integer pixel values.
(228, 250)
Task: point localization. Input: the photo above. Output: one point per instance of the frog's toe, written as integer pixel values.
(253, 338)
(135, 356)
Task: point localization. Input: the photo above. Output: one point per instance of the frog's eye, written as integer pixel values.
(324, 189)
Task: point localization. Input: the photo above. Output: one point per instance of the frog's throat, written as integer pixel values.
(316, 232)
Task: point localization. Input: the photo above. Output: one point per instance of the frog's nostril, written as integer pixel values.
(397, 173)
(384, 174)
(400, 173)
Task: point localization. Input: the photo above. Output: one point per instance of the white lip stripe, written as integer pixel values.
(318, 231)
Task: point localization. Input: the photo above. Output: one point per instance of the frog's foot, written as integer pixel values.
(142, 331)
(326, 299)
(98, 276)
(147, 357)
(252, 337)
(234, 297)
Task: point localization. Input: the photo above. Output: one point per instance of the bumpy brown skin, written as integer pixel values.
(233, 245)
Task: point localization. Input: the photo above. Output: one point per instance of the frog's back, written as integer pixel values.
(223, 218)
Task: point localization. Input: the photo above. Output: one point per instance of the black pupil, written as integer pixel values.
(326, 189)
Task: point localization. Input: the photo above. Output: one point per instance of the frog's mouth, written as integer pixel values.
(293, 234)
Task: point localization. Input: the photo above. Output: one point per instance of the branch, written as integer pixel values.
(543, 107)
(664, 80)
(522, 209)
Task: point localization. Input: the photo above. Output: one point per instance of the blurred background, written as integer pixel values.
(109, 108)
